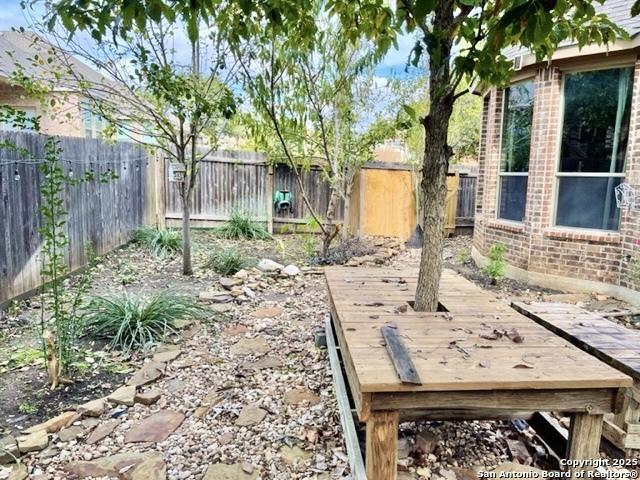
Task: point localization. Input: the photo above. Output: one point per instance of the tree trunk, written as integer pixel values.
(436, 163)
(330, 231)
(187, 267)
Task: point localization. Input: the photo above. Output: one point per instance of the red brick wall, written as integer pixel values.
(535, 244)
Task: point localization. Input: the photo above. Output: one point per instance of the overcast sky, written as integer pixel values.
(393, 65)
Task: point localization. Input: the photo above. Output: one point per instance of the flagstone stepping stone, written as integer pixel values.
(235, 330)
(133, 465)
(155, 428)
(55, 424)
(70, 433)
(267, 312)
(34, 442)
(123, 396)
(49, 452)
(102, 431)
(19, 472)
(293, 455)
(215, 297)
(301, 395)
(94, 408)
(8, 449)
(222, 307)
(150, 372)
(263, 363)
(226, 438)
(168, 355)
(148, 398)
(90, 423)
(221, 471)
(175, 385)
(250, 346)
(250, 415)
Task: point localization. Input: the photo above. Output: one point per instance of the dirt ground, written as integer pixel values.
(281, 364)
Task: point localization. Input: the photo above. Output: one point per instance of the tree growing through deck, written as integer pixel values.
(463, 39)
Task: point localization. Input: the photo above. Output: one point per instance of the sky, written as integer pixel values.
(393, 65)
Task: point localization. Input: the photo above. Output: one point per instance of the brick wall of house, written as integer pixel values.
(62, 118)
(535, 244)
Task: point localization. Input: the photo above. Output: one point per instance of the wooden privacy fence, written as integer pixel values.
(232, 180)
(100, 214)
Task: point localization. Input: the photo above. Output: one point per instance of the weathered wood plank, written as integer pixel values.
(400, 356)
(584, 440)
(381, 449)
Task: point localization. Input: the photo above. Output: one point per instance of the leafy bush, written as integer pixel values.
(496, 266)
(161, 243)
(463, 256)
(226, 262)
(240, 225)
(131, 323)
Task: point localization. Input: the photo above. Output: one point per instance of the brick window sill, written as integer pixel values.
(594, 236)
(507, 226)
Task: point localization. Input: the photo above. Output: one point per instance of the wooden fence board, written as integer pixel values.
(103, 214)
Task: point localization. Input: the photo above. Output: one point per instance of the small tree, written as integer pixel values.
(316, 104)
(148, 92)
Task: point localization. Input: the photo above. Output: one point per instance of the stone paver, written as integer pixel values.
(155, 428)
(221, 471)
(250, 415)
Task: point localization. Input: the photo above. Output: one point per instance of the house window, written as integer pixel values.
(595, 131)
(91, 122)
(516, 143)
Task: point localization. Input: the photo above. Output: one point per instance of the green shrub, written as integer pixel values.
(161, 243)
(240, 225)
(496, 266)
(131, 323)
(463, 256)
(226, 262)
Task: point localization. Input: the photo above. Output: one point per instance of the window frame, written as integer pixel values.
(513, 174)
(557, 174)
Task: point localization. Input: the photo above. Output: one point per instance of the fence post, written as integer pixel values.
(270, 198)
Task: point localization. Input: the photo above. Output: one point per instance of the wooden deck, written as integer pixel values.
(612, 343)
(479, 359)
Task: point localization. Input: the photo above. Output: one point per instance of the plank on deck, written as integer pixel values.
(448, 349)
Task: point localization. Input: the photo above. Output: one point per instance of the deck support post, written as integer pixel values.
(584, 439)
(382, 445)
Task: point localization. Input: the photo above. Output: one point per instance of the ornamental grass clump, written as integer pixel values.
(240, 225)
(133, 323)
(161, 243)
(227, 261)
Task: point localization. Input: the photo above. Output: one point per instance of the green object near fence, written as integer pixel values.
(283, 201)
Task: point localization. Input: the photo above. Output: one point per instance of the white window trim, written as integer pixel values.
(556, 169)
(512, 174)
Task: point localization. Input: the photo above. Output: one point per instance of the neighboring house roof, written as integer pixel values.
(19, 48)
(618, 11)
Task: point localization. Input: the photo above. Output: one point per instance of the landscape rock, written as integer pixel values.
(268, 312)
(70, 433)
(509, 467)
(250, 415)
(19, 472)
(148, 398)
(262, 363)
(8, 449)
(293, 455)
(404, 448)
(102, 431)
(235, 330)
(425, 442)
(222, 307)
(94, 408)
(215, 297)
(34, 442)
(124, 395)
(150, 372)
(167, 355)
(55, 424)
(155, 428)
(291, 271)
(228, 283)
(301, 395)
(267, 265)
(250, 346)
(132, 466)
(221, 471)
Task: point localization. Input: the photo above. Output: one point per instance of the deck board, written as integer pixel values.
(448, 348)
(613, 343)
